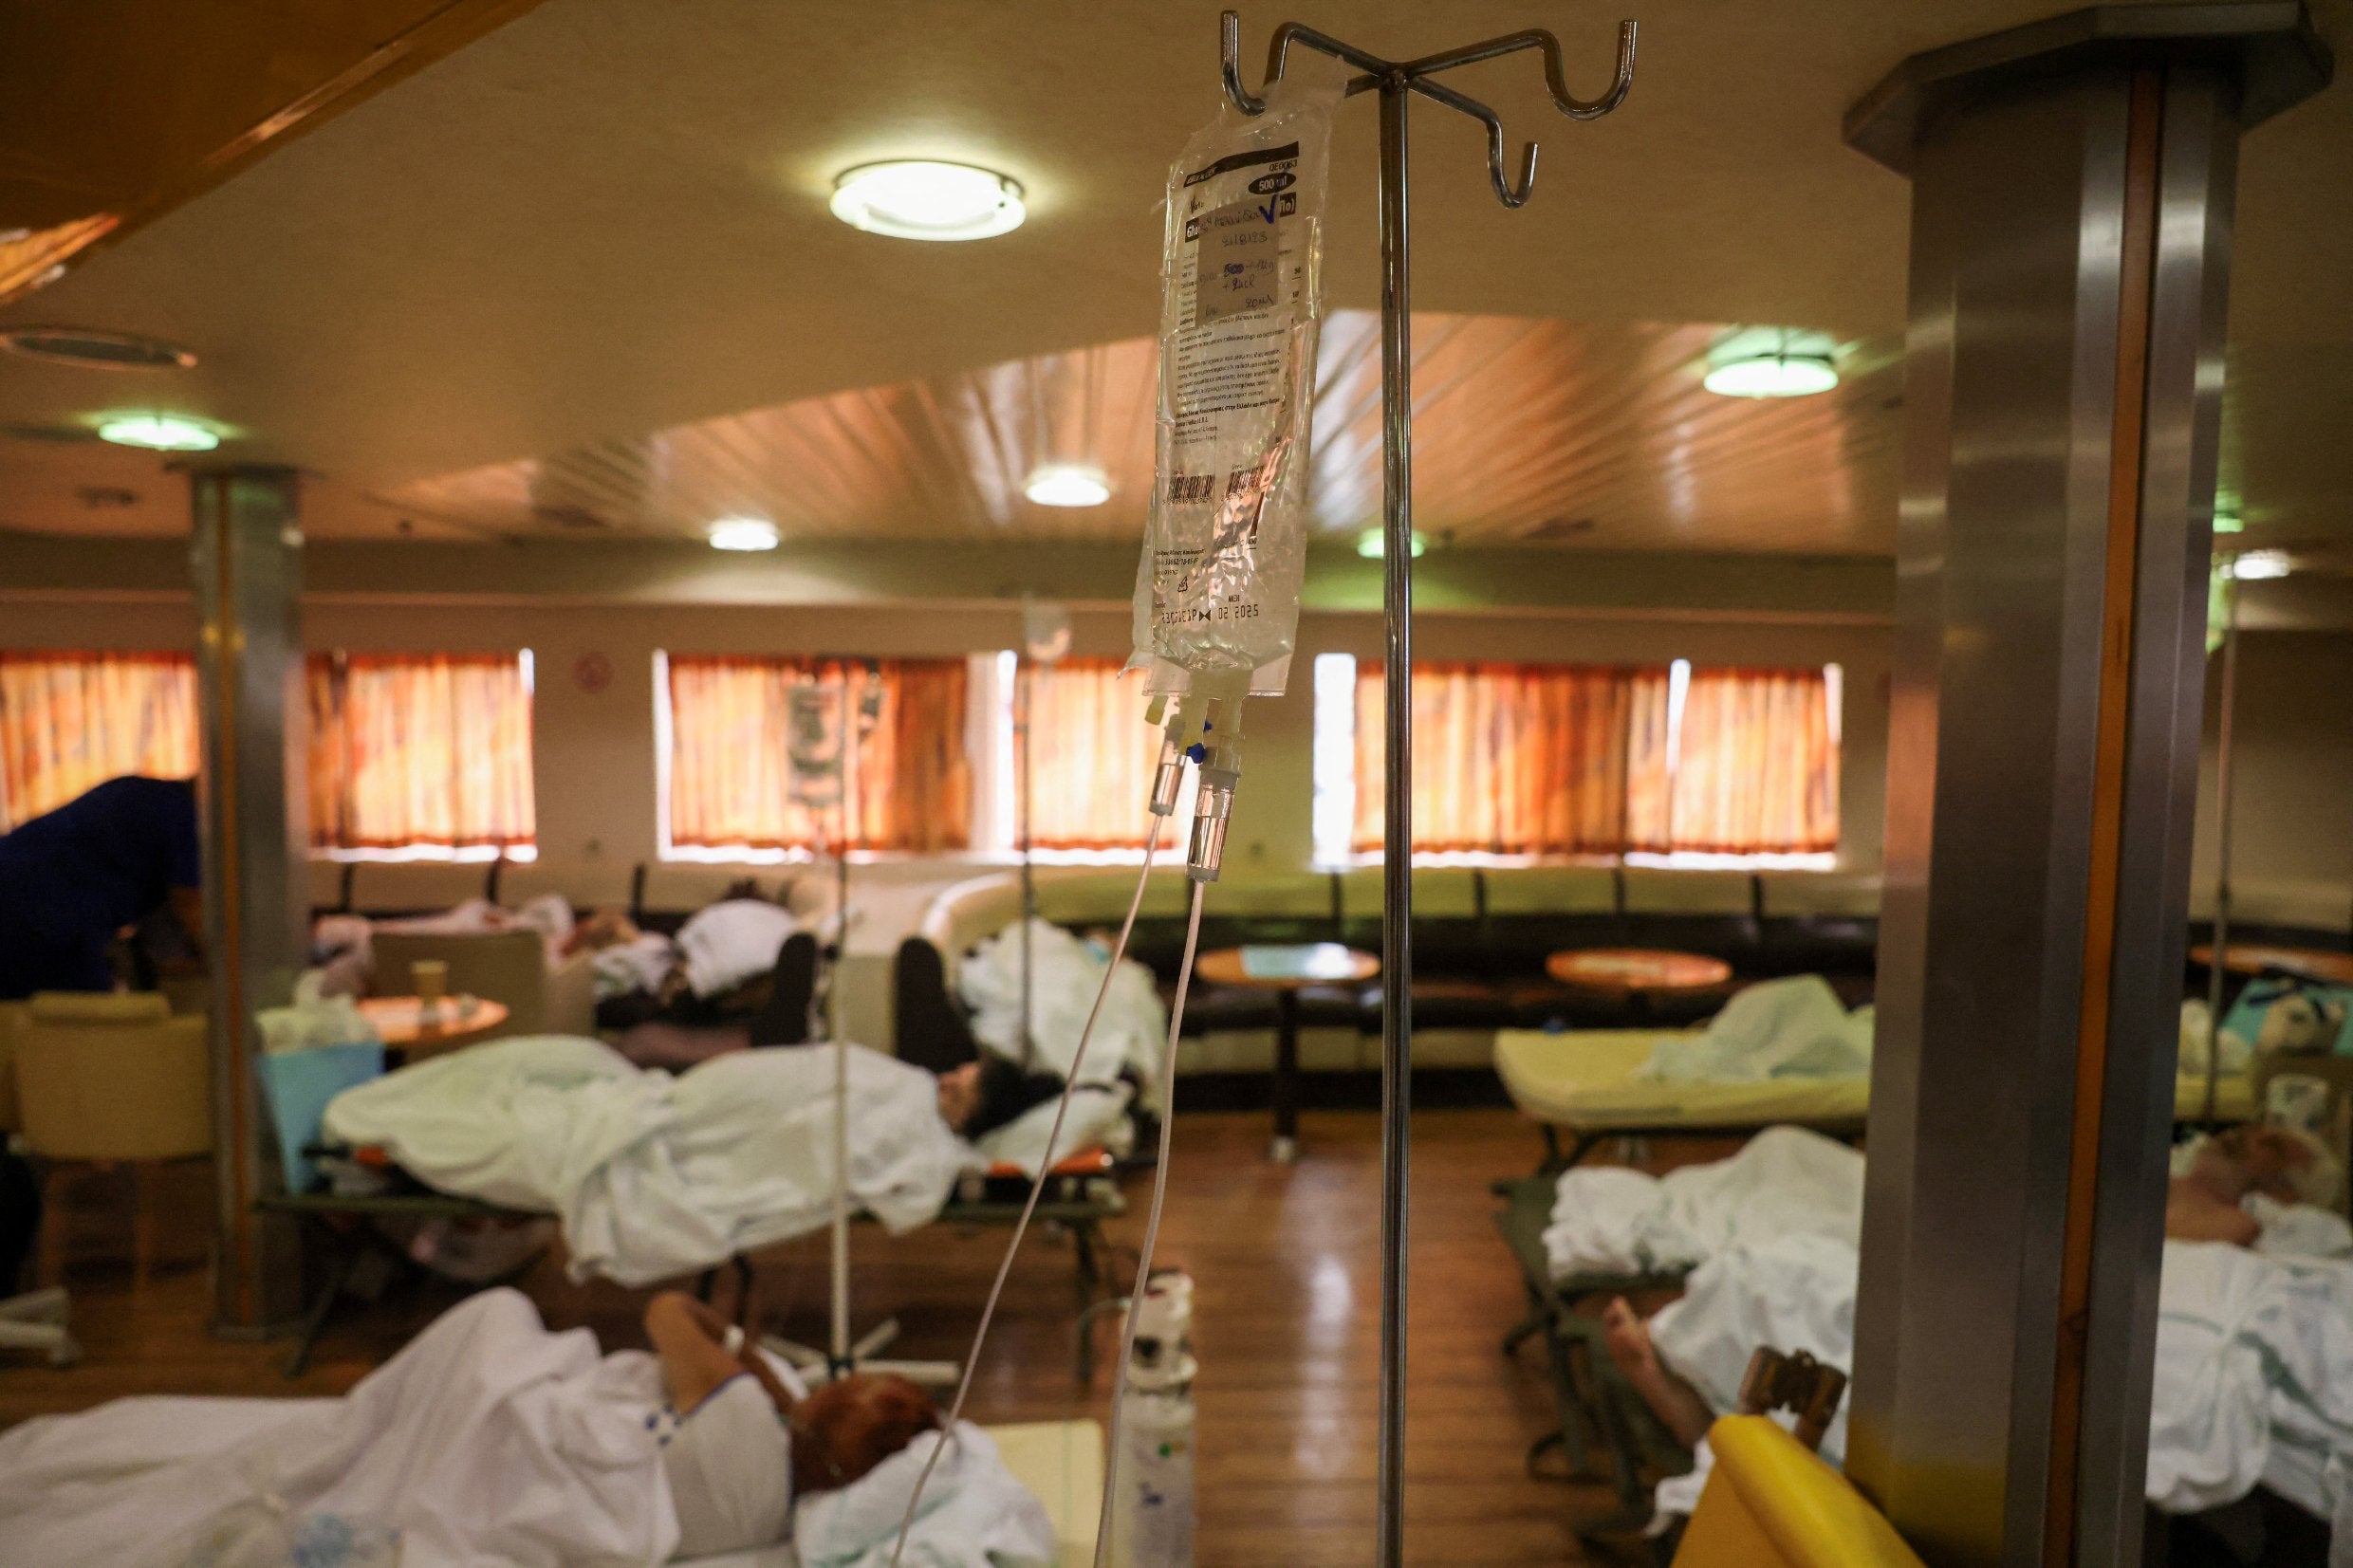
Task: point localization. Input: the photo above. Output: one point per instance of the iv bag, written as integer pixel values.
(813, 742)
(1225, 550)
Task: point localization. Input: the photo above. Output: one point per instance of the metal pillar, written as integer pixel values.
(247, 579)
(2070, 236)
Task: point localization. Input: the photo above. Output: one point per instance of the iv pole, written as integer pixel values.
(843, 1355)
(1394, 80)
(2217, 971)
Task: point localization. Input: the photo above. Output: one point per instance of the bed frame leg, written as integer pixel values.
(1086, 1265)
(314, 1321)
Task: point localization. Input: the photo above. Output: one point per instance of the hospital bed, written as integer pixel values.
(1583, 1083)
(1592, 1402)
(1081, 1195)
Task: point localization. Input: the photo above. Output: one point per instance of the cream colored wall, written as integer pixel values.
(2292, 777)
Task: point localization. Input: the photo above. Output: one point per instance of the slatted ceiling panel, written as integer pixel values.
(943, 458)
(1528, 431)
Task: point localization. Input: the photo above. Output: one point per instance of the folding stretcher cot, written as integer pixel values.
(1583, 1083)
(1081, 1193)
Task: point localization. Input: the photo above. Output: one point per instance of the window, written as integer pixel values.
(71, 721)
(1091, 768)
(723, 741)
(1653, 762)
(422, 755)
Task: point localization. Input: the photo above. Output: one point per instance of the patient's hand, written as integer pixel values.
(959, 1096)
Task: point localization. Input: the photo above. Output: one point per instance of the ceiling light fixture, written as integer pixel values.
(95, 349)
(922, 199)
(2256, 566)
(1373, 543)
(1772, 362)
(1067, 484)
(743, 533)
(157, 433)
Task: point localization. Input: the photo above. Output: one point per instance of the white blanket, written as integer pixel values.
(1779, 1028)
(973, 1515)
(1129, 1036)
(1097, 1117)
(487, 1442)
(1785, 1181)
(2255, 1348)
(730, 941)
(655, 1176)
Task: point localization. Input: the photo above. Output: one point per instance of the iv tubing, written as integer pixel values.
(1045, 1170)
(1152, 1232)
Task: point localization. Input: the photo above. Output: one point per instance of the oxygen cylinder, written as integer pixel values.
(1152, 1516)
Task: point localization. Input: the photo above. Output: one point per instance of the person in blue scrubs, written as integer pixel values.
(71, 879)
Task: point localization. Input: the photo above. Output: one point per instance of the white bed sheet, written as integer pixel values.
(655, 1176)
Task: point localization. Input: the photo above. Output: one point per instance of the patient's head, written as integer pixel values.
(983, 1096)
(2284, 1165)
(846, 1429)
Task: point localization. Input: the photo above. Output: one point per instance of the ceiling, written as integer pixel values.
(523, 282)
(1526, 431)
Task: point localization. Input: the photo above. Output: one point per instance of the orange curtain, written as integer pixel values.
(419, 749)
(1758, 766)
(1094, 755)
(71, 721)
(730, 778)
(1518, 759)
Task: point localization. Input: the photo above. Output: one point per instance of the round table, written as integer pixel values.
(1287, 970)
(1637, 970)
(2330, 969)
(459, 1021)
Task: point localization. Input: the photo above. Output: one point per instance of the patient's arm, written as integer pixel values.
(1673, 1400)
(690, 1340)
(2193, 1213)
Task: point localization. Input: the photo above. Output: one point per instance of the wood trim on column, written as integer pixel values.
(2136, 285)
(227, 965)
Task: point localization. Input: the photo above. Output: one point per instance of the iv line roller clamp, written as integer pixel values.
(1394, 80)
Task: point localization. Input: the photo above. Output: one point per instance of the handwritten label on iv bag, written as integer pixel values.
(1237, 258)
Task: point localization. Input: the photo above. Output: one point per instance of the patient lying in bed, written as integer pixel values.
(489, 1439)
(2253, 1189)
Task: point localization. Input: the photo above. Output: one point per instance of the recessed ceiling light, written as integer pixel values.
(743, 533)
(919, 200)
(158, 431)
(1373, 543)
(96, 349)
(1067, 484)
(1772, 362)
(2254, 566)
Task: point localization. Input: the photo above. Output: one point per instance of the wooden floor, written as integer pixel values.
(1288, 1265)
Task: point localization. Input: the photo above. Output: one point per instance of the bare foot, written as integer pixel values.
(1628, 1338)
(1634, 1353)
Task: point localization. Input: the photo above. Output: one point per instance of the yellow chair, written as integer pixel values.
(110, 1080)
(1771, 1502)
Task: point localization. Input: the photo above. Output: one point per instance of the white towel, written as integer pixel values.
(974, 1514)
(731, 941)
